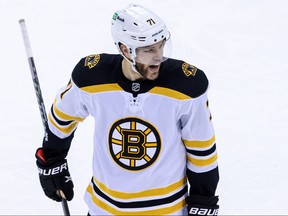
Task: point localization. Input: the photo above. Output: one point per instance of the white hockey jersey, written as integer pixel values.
(148, 135)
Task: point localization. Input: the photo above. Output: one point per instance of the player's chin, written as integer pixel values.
(153, 72)
(152, 76)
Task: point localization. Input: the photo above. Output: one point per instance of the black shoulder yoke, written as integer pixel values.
(106, 68)
(183, 77)
(97, 69)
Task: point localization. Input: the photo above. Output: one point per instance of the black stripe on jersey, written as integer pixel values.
(202, 153)
(62, 123)
(141, 204)
(68, 88)
(61, 95)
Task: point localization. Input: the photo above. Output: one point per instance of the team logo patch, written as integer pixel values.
(134, 144)
(189, 69)
(92, 60)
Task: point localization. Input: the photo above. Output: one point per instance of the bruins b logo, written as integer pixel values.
(134, 144)
(92, 60)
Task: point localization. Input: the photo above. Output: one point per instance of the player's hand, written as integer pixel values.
(199, 205)
(54, 177)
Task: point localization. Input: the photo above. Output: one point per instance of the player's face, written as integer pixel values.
(148, 60)
(150, 55)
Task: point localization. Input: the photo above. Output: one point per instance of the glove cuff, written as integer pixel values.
(202, 200)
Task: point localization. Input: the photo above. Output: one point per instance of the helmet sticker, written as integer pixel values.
(150, 21)
(117, 17)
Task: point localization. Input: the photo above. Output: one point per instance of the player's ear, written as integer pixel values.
(124, 50)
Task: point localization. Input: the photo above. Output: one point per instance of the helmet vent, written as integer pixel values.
(142, 39)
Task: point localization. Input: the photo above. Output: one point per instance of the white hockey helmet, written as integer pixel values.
(135, 27)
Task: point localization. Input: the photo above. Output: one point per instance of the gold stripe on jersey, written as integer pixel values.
(147, 193)
(160, 211)
(65, 116)
(67, 130)
(202, 162)
(102, 88)
(199, 143)
(169, 93)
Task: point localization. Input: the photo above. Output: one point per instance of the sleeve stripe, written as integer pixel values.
(62, 123)
(202, 162)
(202, 153)
(65, 116)
(202, 169)
(66, 130)
(198, 143)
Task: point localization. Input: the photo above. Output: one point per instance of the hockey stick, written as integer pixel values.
(39, 97)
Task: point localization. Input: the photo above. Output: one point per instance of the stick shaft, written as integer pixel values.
(37, 89)
(34, 74)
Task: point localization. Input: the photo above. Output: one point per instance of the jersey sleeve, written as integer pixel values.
(67, 110)
(71, 106)
(199, 138)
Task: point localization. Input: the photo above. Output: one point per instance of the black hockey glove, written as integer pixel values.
(200, 205)
(54, 176)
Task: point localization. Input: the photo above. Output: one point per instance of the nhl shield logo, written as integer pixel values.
(135, 87)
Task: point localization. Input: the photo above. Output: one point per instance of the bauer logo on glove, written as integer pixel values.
(203, 211)
(53, 171)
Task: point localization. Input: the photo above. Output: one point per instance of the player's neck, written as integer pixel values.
(128, 71)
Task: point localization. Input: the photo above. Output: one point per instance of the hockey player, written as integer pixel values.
(153, 128)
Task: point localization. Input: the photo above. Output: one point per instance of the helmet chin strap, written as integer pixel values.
(132, 62)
